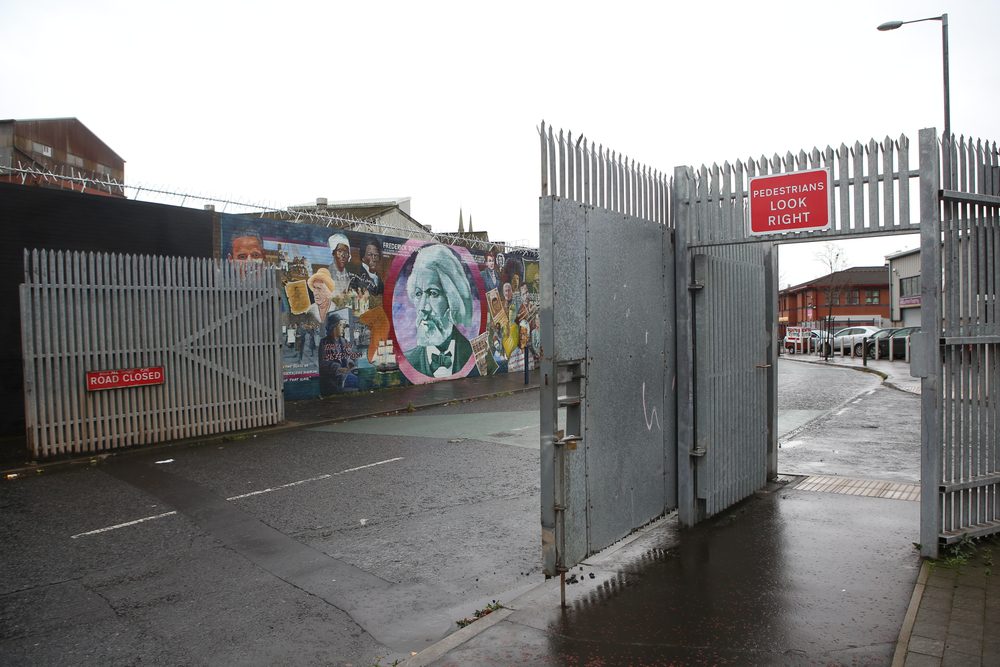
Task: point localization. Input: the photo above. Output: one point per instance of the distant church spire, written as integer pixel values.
(470, 223)
(461, 224)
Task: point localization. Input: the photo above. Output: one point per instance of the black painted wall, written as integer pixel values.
(33, 217)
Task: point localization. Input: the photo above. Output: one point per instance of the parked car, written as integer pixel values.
(804, 340)
(895, 345)
(879, 338)
(849, 338)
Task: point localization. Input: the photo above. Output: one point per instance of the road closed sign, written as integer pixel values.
(129, 377)
(795, 202)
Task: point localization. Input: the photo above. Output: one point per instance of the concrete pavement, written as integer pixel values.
(790, 576)
(820, 573)
(787, 577)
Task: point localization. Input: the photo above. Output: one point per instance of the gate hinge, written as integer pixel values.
(570, 441)
(700, 451)
(694, 286)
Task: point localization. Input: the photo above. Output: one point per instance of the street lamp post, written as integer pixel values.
(892, 25)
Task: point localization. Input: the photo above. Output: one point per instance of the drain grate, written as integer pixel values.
(872, 488)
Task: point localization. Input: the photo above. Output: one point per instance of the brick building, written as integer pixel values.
(855, 296)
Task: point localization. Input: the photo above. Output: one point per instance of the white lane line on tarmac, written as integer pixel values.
(242, 495)
(275, 488)
(121, 525)
(313, 479)
(370, 465)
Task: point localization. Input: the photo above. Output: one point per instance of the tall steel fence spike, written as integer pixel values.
(570, 172)
(562, 165)
(544, 160)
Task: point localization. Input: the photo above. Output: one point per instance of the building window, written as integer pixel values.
(909, 286)
(74, 160)
(41, 148)
(871, 296)
(835, 299)
(103, 170)
(853, 297)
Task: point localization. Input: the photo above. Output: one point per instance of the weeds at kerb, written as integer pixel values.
(485, 611)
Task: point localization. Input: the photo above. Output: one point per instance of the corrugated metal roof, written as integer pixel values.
(68, 119)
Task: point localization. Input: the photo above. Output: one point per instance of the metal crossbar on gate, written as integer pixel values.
(212, 327)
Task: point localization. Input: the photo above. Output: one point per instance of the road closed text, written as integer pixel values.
(129, 377)
(790, 202)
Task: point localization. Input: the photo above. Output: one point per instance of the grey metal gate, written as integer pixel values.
(730, 410)
(960, 264)
(607, 429)
(213, 327)
(727, 306)
(723, 320)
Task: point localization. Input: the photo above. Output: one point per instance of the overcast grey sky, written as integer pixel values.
(439, 101)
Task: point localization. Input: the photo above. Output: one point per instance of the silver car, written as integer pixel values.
(852, 338)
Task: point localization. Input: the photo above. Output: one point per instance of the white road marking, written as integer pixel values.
(275, 488)
(242, 495)
(370, 465)
(122, 525)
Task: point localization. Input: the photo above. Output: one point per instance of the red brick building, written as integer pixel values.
(855, 296)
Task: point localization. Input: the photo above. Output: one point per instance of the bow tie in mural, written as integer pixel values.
(442, 360)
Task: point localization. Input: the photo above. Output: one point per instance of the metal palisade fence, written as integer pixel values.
(717, 300)
(872, 190)
(607, 435)
(961, 415)
(200, 337)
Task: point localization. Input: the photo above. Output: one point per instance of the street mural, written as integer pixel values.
(362, 312)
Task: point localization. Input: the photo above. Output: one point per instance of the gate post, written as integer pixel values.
(680, 202)
(549, 420)
(771, 283)
(928, 366)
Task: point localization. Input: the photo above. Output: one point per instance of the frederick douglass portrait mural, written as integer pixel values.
(440, 314)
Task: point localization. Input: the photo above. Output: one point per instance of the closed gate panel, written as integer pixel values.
(625, 415)
(607, 434)
(731, 340)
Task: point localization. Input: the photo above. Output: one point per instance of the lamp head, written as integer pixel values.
(890, 25)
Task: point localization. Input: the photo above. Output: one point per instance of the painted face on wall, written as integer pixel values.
(341, 256)
(372, 257)
(321, 292)
(247, 248)
(434, 323)
(491, 263)
(508, 292)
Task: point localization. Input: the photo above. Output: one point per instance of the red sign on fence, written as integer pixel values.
(129, 377)
(790, 202)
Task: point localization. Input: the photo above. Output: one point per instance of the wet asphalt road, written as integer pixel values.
(330, 545)
(860, 429)
(304, 547)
